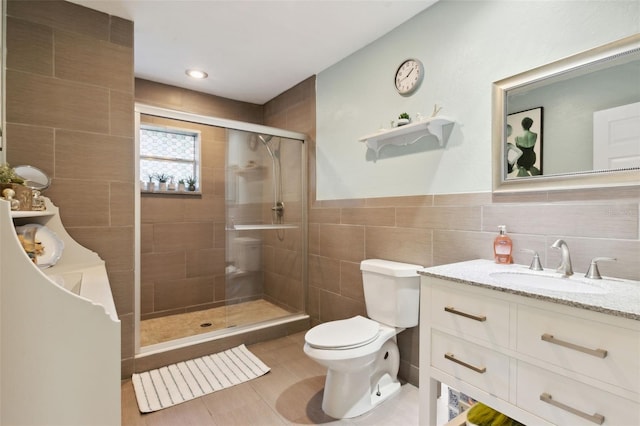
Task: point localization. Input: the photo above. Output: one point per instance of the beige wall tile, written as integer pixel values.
(161, 209)
(460, 218)
(93, 156)
(172, 294)
(81, 202)
(351, 281)
(334, 307)
(121, 110)
(182, 236)
(324, 215)
(324, 273)
(121, 31)
(43, 101)
(205, 262)
(407, 245)
(382, 216)
(87, 60)
(342, 242)
(163, 266)
(63, 15)
(113, 244)
(32, 145)
(30, 46)
(121, 212)
(606, 220)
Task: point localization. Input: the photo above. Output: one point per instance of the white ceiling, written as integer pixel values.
(253, 50)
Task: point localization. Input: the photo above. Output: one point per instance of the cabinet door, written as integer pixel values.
(471, 314)
(476, 365)
(602, 351)
(563, 401)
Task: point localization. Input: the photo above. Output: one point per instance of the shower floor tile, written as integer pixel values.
(163, 329)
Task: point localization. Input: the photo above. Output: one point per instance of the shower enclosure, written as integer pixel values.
(230, 256)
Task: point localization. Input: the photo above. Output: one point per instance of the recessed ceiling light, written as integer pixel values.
(196, 74)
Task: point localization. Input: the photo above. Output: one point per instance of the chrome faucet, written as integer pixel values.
(565, 265)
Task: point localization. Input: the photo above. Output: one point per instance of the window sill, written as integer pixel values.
(144, 192)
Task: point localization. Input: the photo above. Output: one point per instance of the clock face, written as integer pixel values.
(409, 76)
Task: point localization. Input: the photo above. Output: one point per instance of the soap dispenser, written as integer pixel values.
(502, 246)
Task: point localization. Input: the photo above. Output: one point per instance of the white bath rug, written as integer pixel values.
(176, 383)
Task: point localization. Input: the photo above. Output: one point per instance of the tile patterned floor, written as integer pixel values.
(162, 329)
(291, 394)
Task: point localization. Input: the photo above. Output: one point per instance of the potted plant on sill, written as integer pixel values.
(162, 181)
(191, 183)
(181, 186)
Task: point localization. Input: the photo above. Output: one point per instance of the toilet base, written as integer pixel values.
(351, 394)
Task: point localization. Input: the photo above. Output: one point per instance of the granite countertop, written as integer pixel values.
(611, 296)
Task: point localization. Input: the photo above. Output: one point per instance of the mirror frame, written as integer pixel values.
(587, 179)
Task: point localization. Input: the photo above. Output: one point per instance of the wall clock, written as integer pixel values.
(409, 76)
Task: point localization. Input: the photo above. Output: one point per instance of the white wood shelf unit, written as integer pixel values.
(59, 332)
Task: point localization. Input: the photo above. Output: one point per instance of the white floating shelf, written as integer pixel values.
(433, 126)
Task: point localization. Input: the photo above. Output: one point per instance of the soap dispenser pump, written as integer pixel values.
(502, 246)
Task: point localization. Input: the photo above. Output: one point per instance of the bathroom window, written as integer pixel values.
(169, 152)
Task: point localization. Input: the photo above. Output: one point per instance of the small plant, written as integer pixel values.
(8, 175)
(180, 181)
(404, 115)
(191, 183)
(162, 178)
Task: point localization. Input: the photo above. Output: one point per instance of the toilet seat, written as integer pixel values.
(343, 334)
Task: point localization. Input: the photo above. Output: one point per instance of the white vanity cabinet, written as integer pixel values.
(59, 332)
(539, 362)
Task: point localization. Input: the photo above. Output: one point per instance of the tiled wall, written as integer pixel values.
(69, 111)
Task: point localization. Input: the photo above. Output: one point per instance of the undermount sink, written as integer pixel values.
(542, 281)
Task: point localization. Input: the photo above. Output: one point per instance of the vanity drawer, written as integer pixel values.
(602, 351)
(476, 365)
(563, 401)
(471, 314)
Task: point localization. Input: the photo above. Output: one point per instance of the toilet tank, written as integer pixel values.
(391, 292)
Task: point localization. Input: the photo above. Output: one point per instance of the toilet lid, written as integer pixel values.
(343, 334)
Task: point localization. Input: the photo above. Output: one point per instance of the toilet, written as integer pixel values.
(361, 354)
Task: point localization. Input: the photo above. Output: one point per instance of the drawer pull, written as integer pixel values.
(453, 310)
(600, 353)
(451, 357)
(595, 418)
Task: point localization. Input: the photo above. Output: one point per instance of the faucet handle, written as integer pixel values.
(593, 271)
(535, 262)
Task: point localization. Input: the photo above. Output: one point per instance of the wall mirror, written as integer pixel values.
(574, 123)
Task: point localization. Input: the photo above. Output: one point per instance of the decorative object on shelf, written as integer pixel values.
(171, 186)
(9, 179)
(191, 183)
(409, 76)
(181, 186)
(45, 245)
(8, 195)
(403, 119)
(36, 180)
